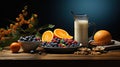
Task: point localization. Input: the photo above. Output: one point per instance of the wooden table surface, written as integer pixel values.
(8, 55)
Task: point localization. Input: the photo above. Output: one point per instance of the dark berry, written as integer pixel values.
(67, 46)
(59, 45)
(54, 40)
(70, 40)
(53, 44)
(32, 51)
(72, 45)
(37, 39)
(74, 42)
(55, 37)
(44, 43)
(48, 45)
(40, 52)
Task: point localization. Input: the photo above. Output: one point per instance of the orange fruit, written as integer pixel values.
(47, 36)
(102, 36)
(62, 34)
(15, 47)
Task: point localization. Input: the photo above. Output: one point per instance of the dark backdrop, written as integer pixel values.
(105, 13)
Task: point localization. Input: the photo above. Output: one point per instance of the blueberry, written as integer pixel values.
(55, 38)
(40, 52)
(21, 39)
(72, 45)
(66, 43)
(25, 40)
(33, 40)
(30, 39)
(44, 43)
(27, 37)
(51, 43)
(48, 45)
(58, 40)
(32, 36)
(67, 46)
(32, 51)
(55, 44)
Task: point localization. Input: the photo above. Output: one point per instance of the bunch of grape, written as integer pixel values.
(62, 43)
(30, 38)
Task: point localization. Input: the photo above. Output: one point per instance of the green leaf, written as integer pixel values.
(46, 27)
(1, 48)
(51, 26)
(38, 34)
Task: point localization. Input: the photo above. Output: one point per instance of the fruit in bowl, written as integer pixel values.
(58, 39)
(60, 43)
(29, 43)
(102, 37)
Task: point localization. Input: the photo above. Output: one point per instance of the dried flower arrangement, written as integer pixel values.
(21, 27)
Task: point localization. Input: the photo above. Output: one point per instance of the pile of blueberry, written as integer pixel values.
(30, 38)
(62, 43)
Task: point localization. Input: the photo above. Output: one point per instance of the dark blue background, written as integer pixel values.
(105, 13)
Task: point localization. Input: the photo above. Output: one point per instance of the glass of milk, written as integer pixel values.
(81, 29)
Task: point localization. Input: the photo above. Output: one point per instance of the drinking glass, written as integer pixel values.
(81, 29)
(81, 25)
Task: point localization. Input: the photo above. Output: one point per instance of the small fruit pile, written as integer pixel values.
(29, 43)
(58, 42)
(58, 38)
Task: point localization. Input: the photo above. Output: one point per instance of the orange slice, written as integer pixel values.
(68, 37)
(62, 34)
(47, 36)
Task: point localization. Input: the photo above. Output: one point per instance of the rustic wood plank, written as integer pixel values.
(6, 54)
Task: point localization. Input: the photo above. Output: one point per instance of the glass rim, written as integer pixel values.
(80, 15)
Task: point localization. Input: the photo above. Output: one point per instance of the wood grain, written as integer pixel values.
(6, 54)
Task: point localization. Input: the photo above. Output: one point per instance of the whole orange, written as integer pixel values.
(15, 47)
(102, 36)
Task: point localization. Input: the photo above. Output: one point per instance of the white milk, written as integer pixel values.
(81, 31)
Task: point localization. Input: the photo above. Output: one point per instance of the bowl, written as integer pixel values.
(27, 46)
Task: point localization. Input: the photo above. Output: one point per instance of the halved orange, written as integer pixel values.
(62, 34)
(47, 36)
